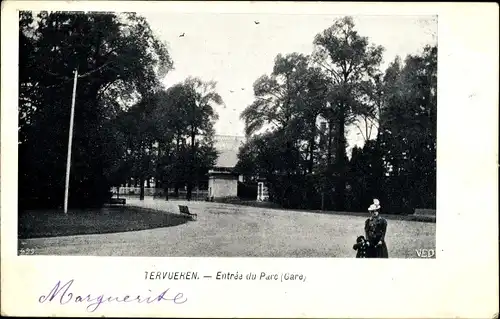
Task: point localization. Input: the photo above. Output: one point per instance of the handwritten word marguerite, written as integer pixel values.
(62, 294)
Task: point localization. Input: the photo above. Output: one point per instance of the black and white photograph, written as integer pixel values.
(227, 135)
(237, 159)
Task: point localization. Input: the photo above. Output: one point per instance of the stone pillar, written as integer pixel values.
(260, 191)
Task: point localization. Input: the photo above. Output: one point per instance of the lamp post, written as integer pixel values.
(70, 142)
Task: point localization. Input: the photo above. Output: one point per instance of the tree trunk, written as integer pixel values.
(329, 150)
(158, 178)
(166, 186)
(322, 200)
(142, 162)
(141, 196)
(189, 190)
(312, 146)
(340, 159)
(192, 165)
(176, 190)
(176, 182)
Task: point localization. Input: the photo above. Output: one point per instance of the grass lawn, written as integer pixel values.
(225, 230)
(268, 205)
(42, 223)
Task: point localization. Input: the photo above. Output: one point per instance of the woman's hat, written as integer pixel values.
(375, 205)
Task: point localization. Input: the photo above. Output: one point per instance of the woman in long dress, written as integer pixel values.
(375, 228)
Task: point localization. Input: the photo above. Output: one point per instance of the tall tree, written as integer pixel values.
(275, 95)
(408, 124)
(283, 124)
(201, 115)
(289, 100)
(117, 57)
(347, 58)
(174, 104)
(185, 117)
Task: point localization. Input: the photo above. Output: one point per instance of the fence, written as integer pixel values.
(197, 194)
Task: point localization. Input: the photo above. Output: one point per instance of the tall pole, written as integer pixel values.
(70, 142)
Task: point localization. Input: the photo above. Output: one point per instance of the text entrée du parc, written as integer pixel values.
(220, 275)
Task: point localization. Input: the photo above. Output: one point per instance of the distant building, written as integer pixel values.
(222, 180)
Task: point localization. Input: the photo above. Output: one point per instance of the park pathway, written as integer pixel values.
(226, 230)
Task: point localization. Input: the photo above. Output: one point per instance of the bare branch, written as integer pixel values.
(371, 127)
(275, 122)
(373, 122)
(53, 74)
(95, 70)
(105, 88)
(275, 95)
(366, 128)
(361, 131)
(331, 70)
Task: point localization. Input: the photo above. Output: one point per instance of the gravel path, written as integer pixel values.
(225, 230)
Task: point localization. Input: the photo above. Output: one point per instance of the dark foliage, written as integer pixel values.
(306, 166)
(247, 190)
(116, 56)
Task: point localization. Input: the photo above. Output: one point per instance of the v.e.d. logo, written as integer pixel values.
(425, 253)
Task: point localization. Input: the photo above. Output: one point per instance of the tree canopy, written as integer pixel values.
(298, 121)
(119, 59)
(129, 129)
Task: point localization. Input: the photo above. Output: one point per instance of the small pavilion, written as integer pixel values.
(222, 180)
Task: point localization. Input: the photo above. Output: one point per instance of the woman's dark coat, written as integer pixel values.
(375, 229)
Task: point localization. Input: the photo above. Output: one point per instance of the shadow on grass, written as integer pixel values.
(52, 223)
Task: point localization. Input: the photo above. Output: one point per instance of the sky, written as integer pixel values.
(234, 51)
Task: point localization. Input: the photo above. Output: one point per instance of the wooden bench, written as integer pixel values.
(424, 212)
(115, 201)
(185, 211)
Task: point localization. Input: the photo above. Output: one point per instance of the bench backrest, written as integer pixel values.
(183, 209)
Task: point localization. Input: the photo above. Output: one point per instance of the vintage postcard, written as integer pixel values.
(238, 159)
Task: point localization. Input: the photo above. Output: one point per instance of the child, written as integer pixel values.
(361, 246)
